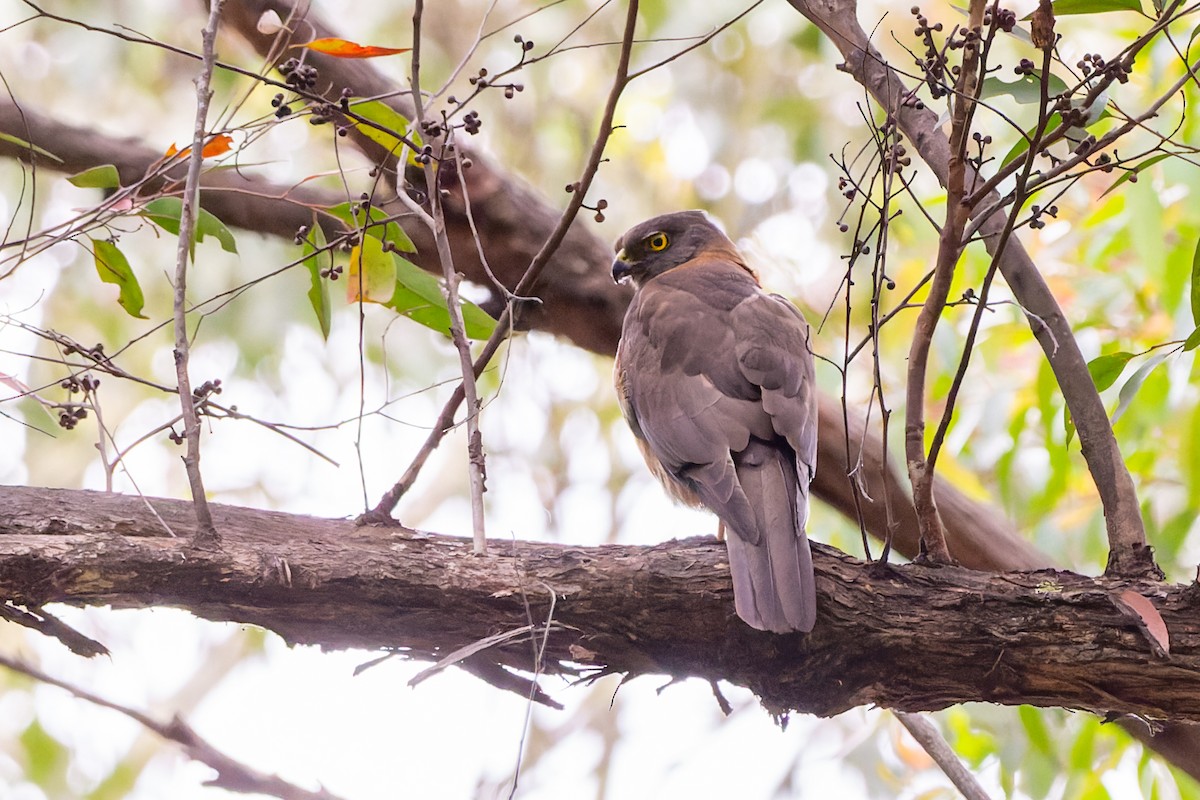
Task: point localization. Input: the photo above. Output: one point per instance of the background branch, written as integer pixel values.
(231, 774)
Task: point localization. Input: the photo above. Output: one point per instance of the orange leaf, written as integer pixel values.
(217, 145)
(221, 143)
(1143, 612)
(341, 48)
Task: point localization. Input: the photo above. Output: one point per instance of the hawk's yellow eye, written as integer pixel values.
(658, 242)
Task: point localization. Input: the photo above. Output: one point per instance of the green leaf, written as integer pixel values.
(419, 297)
(46, 758)
(104, 176)
(371, 275)
(1036, 730)
(165, 212)
(1026, 89)
(1195, 290)
(1136, 170)
(1082, 755)
(316, 258)
(1192, 340)
(1106, 369)
(1130, 389)
(8, 137)
(1064, 7)
(1022, 146)
(389, 231)
(387, 117)
(113, 267)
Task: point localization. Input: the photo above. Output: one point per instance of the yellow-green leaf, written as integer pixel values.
(316, 259)
(113, 267)
(1130, 173)
(1195, 290)
(165, 212)
(393, 125)
(1130, 389)
(1192, 340)
(1025, 89)
(104, 176)
(375, 223)
(419, 296)
(1022, 146)
(1107, 368)
(371, 275)
(1064, 7)
(19, 142)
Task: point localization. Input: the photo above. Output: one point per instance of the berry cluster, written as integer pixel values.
(298, 75)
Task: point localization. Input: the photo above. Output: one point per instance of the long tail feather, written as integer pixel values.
(773, 582)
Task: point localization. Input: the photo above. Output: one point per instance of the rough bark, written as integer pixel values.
(911, 637)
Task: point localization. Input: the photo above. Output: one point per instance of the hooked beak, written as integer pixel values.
(621, 268)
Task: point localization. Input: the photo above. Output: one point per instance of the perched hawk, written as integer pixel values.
(715, 378)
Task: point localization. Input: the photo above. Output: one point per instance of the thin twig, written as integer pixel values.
(939, 750)
(187, 227)
(476, 464)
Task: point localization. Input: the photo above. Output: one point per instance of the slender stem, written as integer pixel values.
(187, 227)
(504, 325)
(475, 455)
(943, 755)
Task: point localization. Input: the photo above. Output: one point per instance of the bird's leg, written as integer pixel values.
(720, 530)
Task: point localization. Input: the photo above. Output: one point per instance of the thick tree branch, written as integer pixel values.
(911, 638)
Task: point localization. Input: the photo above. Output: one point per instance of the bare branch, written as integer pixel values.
(231, 774)
(458, 331)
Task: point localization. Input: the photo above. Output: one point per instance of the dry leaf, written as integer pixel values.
(580, 653)
(1041, 26)
(341, 48)
(269, 23)
(15, 384)
(1149, 621)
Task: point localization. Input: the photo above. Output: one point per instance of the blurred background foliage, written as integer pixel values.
(753, 128)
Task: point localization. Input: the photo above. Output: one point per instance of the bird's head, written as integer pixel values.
(662, 243)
